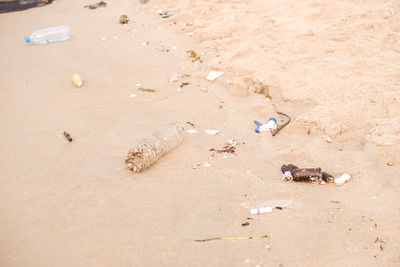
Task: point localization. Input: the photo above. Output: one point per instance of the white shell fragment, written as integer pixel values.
(342, 179)
(191, 131)
(212, 132)
(213, 75)
(207, 165)
(327, 138)
(133, 95)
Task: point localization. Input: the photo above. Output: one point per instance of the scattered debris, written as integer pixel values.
(145, 43)
(149, 90)
(207, 164)
(270, 126)
(342, 179)
(186, 75)
(327, 138)
(194, 56)
(103, 38)
(233, 238)
(191, 123)
(313, 175)
(228, 148)
(191, 131)
(99, 4)
(335, 201)
(77, 80)
(183, 84)
(260, 210)
(123, 19)
(133, 95)
(245, 224)
(17, 5)
(152, 148)
(68, 136)
(138, 84)
(164, 13)
(389, 163)
(279, 208)
(249, 218)
(173, 78)
(381, 243)
(212, 132)
(282, 125)
(213, 75)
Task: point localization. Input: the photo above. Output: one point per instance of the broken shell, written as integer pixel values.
(77, 80)
(327, 139)
(213, 75)
(123, 19)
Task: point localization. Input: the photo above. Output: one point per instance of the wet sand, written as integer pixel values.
(76, 204)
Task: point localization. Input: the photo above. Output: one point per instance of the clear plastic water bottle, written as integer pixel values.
(49, 35)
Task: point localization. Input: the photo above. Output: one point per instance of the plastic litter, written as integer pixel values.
(212, 132)
(270, 126)
(152, 148)
(49, 35)
(342, 179)
(260, 210)
(77, 80)
(213, 75)
(17, 5)
(191, 131)
(312, 175)
(173, 78)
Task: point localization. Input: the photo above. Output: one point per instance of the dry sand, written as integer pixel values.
(332, 66)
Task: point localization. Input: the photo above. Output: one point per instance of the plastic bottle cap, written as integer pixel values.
(27, 39)
(272, 119)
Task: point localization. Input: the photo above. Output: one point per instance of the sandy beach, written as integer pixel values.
(333, 67)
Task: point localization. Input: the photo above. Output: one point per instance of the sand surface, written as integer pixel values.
(334, 67)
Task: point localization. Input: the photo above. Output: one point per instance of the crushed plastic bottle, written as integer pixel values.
(49, 35)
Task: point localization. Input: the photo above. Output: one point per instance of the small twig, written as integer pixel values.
(280, 127)
(232, 238)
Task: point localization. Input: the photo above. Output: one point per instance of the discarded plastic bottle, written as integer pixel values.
(152, 148)
(49, 35)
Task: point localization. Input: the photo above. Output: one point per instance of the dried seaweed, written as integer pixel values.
(194, 56)
(233, 238)
(228, 148)
(183, 84)
(149, 90)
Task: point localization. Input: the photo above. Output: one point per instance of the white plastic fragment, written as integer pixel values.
(191, 131)
(342, 179)
(260, 210)
(133, 95)
(103, 38)
(173, 78)
(213, 75)
(207, 164)
(138, 84)
(212, 132)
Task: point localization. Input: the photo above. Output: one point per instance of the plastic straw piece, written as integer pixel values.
(152, 148)
(260, 210)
